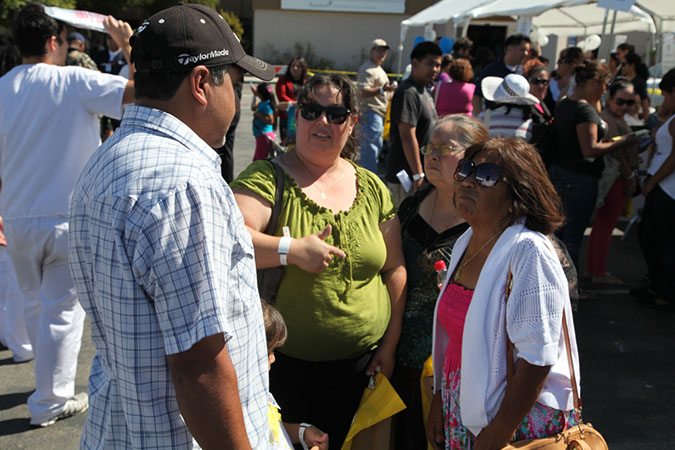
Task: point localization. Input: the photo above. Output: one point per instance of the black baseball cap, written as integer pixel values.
(184, 36)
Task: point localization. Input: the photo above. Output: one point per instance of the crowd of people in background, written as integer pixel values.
(493, 166)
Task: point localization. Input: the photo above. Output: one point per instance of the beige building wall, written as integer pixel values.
(341, 39)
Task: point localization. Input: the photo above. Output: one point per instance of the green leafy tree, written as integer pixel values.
(9, 7)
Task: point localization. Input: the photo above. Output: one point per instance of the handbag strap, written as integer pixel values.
(510, 364)
(278, 197)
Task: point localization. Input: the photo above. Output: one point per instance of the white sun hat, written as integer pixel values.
(512, 89)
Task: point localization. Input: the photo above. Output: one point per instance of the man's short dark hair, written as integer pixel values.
(516, 39)
(164, 85)
(463, 43)
(424, 49)
(33, 27)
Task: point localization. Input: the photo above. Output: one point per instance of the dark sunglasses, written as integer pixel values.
(623, 101)
(487, 174)
(335, 114)
(541, 81)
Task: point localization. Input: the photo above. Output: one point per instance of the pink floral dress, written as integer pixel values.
(541, 421)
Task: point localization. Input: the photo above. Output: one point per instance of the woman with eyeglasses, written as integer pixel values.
(617, 183)
(338, 237)
(429, 227)
(577, 162)
(502, 191)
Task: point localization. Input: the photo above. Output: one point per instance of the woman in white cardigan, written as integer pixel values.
(503, 192)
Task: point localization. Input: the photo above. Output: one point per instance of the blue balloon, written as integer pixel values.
(418, 39)
(446, 44)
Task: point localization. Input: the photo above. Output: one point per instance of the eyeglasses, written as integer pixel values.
(540, 81)
(442, 149)
(335, 114)
(486, 174)
(623, 101)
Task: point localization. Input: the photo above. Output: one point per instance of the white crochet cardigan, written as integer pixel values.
(534, 316)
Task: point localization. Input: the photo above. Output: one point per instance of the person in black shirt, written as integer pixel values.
(577, 163)
(630, 71)
(516, 49)
(412, 115)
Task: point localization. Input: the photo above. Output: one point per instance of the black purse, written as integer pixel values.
(269, 279)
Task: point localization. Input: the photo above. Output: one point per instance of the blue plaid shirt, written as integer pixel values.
(161, 259)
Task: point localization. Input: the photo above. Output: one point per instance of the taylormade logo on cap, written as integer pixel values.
(186, 59)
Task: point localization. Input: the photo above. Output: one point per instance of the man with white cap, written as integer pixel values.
(508, 113)
(373, 85)
(161, 258)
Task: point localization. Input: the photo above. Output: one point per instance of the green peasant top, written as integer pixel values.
(344, 311)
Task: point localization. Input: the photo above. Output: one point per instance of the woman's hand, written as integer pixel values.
(435, 426)
(384, 358)
(312, 254)
(494, 437)
(648, 186)
(316, 439)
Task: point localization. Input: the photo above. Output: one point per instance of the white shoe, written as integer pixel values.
(79, 403)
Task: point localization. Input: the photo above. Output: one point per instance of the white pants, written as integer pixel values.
(13, 331)
(54, 318)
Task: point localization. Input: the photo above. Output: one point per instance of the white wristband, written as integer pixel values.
(418, 176)
(283, 259)
(285, 245)
(301, 434)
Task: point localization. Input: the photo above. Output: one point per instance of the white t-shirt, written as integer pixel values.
(664, 145)
(49, 128)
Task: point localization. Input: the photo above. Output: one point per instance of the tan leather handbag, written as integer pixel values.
(580, 437)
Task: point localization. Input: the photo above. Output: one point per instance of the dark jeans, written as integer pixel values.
(579, 195)
(657, 241)
(326, 393)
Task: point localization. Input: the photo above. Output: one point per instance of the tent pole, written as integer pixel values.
(611, 32)
(604, 36)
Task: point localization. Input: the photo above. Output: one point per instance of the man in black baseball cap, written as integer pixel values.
(161, 257)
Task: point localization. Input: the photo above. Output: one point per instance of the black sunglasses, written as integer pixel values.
(623, 101)
(335, 114)
(487, 174)
(541, 81)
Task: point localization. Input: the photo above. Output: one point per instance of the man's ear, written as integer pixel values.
(51, 45)
(199, 84)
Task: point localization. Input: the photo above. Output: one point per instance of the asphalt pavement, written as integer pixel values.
(627, 358)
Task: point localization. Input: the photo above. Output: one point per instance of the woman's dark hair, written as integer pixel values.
(303, 64)
(668, 81)
(445, 61)
(33, 27)
(619, 84)
(350, 100)
(461, 70)
(275, 327)
(591, 70)
(614, 56)
(164, 85)
(9, 58)
(630, 48)
(633, 58)
(532, 194)
(571, 55)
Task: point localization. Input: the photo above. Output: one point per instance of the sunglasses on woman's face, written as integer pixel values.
(487, 174)
(442, 150)
(623, 101)
(335, 114)
(540, 81)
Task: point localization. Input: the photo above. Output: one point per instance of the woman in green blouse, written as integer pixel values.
(343, 290)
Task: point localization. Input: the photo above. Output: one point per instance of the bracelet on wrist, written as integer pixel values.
(301, 434)
(284, 248)
(418, 176)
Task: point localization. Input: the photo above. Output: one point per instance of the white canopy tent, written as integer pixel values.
(561, 17)
(663, 12)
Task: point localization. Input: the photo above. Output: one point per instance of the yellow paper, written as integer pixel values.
(377, 404)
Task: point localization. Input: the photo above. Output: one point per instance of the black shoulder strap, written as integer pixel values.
(278, 197)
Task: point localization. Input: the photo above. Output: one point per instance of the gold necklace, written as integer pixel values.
(315, 184)
(459, 270)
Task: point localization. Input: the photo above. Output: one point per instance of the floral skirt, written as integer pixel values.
(540, 422)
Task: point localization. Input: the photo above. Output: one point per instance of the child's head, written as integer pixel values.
(275, 329)
(264, 91)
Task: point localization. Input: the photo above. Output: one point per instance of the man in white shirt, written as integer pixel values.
(48, 131)
(374, 87)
